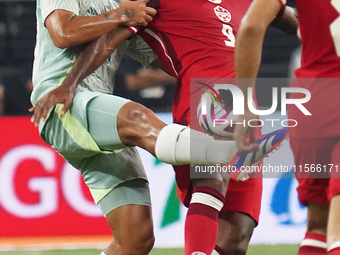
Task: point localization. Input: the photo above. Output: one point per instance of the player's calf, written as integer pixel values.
(235, 231)
(139, 126)
(201, 224)
(132, 230)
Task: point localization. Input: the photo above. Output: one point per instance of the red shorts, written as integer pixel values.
(317, 164)
(315, 140)
(241, 196)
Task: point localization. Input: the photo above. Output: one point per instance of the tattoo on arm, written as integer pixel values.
(128, 13)
(107, 16)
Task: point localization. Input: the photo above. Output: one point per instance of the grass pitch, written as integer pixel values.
(253, 250)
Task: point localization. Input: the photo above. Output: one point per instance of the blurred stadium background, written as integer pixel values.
(43, 203)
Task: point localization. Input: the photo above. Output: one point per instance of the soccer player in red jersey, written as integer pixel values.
(202, 45)
(195, 39)
(315, 140)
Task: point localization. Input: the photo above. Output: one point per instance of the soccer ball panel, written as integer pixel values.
(214, 118)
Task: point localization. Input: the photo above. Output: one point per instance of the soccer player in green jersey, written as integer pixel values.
(123, 196)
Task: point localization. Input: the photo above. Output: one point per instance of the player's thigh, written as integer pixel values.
(128, 212)
(104, 172)
(119, 186)
(101, 171)
(186, 184)
(108, 175)
(102, 112)
(215, 181)
(86, 129)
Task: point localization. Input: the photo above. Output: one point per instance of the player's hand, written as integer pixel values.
(136, 13)
(62, 95)
(244, 134)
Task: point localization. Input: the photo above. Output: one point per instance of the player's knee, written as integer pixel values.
(137, 112)
(133, 114)
(216, 183)
(237, 245)
(142, 242)
(132, 122)
(138, 126)
(146, 245)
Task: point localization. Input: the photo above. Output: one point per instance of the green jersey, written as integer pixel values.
(52, 64)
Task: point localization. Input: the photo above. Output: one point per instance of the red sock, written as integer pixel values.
(335, 251)
(218, 251)
(201, 222)
(313, 244)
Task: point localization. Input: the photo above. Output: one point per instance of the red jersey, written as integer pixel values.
(319, 23)
(195, 39)
(314, 141)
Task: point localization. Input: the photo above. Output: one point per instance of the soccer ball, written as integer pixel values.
(216, 119)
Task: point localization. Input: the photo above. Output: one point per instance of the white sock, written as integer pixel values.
(103, 253)
(173, 147)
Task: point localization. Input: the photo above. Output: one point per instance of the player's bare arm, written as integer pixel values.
(287, 22)
(87, 62)
(67, 29)
(95, 54)
(248, 57)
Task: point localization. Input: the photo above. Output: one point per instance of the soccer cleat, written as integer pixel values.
(268, 143)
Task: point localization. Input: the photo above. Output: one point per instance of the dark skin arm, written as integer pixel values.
(96, 53)
(67, 29)
(88, 61)
(248, 57)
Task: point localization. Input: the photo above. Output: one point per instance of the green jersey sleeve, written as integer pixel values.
(48, 6)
